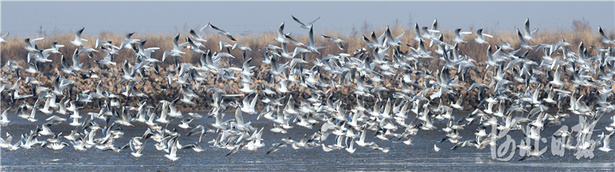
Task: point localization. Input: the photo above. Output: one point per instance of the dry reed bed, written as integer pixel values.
(156, 86)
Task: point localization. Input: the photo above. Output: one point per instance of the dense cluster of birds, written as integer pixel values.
(518, 93)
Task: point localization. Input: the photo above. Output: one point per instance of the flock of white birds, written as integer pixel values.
(551, 91)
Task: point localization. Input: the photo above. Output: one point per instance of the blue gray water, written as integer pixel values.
(420, 156)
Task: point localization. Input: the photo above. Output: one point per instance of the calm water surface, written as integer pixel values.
(420, 156)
